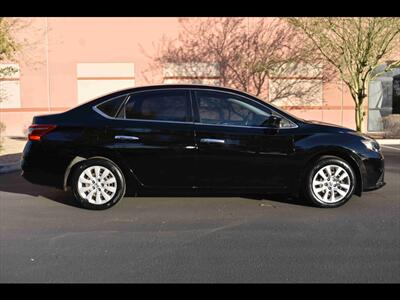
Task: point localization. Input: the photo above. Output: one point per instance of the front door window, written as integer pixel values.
(218, 108)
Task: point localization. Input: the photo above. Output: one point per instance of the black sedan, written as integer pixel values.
(196, 137)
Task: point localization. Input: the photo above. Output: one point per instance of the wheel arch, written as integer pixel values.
(130, 178)
(351, 159)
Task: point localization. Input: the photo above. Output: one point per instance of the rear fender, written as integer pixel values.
(130, 177)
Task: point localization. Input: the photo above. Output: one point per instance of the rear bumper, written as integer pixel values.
(41, 167)
(43, 178)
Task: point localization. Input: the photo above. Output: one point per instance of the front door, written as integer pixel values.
(234, 149)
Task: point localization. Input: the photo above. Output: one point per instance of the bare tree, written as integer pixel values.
(8, 48)
(8, 44)
(249, 54)
(354, 47)
(14, 48)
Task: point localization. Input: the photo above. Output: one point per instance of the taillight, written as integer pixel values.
(36, 131)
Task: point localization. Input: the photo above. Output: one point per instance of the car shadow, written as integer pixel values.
(14, 183)
(281, 198)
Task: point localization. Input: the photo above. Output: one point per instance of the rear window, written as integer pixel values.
(111, 107)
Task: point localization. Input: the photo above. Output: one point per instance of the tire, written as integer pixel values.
(341, 183)
(100, 192)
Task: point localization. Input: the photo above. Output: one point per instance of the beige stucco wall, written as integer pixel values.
(49, 76)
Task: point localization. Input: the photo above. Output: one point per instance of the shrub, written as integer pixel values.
(391, 126)
(2, 127)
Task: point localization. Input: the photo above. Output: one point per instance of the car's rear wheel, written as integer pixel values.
(330, 182)
(97, 183)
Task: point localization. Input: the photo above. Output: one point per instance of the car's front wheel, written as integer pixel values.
(330, 182)
(97, 183)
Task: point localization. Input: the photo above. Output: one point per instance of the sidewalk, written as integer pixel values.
(388, 141)
(10, 154)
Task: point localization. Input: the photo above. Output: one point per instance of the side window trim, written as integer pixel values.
(194, 117)
(195, 107)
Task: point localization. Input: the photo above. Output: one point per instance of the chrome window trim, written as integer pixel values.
(128, 95)
(241, 126)
(136, 120)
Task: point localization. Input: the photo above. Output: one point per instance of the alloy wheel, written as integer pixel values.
(97, 185)
(331, 184)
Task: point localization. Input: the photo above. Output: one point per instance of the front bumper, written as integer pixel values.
(374, 177)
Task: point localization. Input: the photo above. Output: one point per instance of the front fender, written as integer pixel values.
(311, 148)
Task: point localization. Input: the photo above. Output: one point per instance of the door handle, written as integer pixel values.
(126, 137)
(191, 147)
(212, 141)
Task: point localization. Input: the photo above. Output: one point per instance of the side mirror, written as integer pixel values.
(273, 121)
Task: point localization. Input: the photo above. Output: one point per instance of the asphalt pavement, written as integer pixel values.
(45, 237)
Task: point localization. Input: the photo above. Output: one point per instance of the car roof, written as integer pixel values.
(183, 85)
(118, 93)
(100, 99)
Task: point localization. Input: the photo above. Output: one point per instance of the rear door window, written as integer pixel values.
(163, 105)
(112, 106)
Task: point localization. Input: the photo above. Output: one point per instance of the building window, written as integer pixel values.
(193, 73)
(396, 95)
(10, 95)
(97, 79)
(383, 98)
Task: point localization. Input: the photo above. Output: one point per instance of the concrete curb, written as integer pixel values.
(388, 141)
(10, 167)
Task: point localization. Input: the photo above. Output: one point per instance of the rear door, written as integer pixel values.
(154, 133)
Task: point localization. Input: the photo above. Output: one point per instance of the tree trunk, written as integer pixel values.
(359, 114)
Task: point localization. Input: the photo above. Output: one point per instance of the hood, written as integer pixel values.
(326, 127)
(329, 127)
